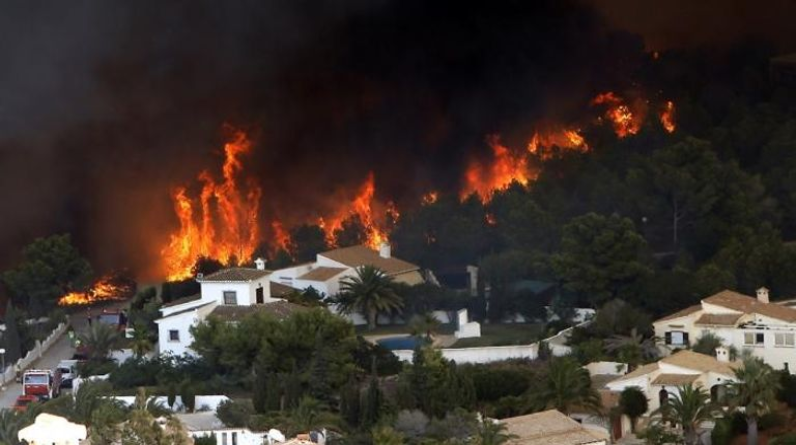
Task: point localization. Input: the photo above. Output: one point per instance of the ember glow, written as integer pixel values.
(625, 119)
(506, 166)
(221, 223)
(667, 117)
(107, 288)
(429, 198)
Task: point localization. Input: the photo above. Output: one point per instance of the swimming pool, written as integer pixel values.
(395, 343)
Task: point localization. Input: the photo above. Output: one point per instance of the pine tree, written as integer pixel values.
(260, 391)
(419, 379)
(12, 342)
(350, 403)
(273, 392)
(291, 391)
(319, 385)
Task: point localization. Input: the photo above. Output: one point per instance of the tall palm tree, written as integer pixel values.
(370, 292)
(689, 408)
(425, 325)
(633, 348)
(565, 386)
(755, 391)
(100, 340)
(492, 433)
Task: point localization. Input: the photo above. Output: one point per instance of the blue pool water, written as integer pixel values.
(395, 343)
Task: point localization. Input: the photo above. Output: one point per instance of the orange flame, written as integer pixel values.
(227, 227)
(546, 138)
(106, 288)
(282, 238)
(362, 209)
(625, 121)
(667, 117)
(506, 167)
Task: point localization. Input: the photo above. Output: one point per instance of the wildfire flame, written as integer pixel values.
(667, 117)
(281, 236)
(429, 198)
(626, 121)
(506, 167)
(224, 226)
(544, 140)
(362, 208)
(107, 288)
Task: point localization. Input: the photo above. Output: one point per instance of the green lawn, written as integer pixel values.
(502, 335)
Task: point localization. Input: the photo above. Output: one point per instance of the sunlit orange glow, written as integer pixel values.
(626, 121)
(224, 226)
(667, 117)
(105, 289)
(362, 208)
(506, 167)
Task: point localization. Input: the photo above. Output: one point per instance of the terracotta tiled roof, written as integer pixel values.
(749, 305)
(548, 428)
(700, 362)
(638, 372)
(279, 309)
(718, 319)
(357, 256)
(675, 379)
(280, 290)
(687, 311)
(235, 274)
(321, 273)
(183, 300)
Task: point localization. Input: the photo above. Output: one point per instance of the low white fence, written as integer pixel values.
(487, 354)
(34, 354)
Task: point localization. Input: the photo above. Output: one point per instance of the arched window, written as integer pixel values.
(663, 396)
(718, 394)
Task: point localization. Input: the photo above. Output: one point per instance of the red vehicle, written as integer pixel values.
(42, 383)
(21, 405)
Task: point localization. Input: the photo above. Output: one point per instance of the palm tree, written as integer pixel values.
(425, 325)
(311, 414)
(755, 392)
(565, 386)
(141, 344)
(100, 340)
(370, 292)
(689, 408)
(633, 348)
(492, 433)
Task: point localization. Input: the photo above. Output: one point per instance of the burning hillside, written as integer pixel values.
(108, 288)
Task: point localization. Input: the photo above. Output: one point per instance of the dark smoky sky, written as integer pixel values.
(105, 106)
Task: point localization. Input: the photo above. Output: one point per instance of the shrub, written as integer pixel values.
(493, 382)
(787, 439)
(235, 414)
(787, 389)
(188, 395)
(136, 372)
(722, 433)
(210, 439)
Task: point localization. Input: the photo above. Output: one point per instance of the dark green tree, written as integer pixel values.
(260, 391)
(307, 241)
(50, 267)
(633, 403)
(11, 340)
(350, 233)
(319, 385)
(371, 408)
(755, 392)
(188, 395)
(602, 257)
(350, 404)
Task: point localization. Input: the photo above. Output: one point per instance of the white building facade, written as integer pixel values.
(767, 330)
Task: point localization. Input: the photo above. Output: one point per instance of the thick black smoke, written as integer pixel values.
(105, 106)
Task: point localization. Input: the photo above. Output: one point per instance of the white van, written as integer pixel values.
(68, 370)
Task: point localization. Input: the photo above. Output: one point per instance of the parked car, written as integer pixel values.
(43, 383)
(68, 370)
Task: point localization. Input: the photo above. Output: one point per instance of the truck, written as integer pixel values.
(42, 383)
(114, 318)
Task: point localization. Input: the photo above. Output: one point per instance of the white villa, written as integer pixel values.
(228, 294)
(660, 380)
(754, 324)
(325, 273)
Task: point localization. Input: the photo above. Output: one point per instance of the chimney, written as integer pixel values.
(762, 295)
(384, 250)
(259, 263)
(722, 354)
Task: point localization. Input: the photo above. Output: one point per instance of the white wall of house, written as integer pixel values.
(180, 323)
(245, 293)
(288, 275)
(243, 436)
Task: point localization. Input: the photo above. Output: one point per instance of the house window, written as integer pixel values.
(784, 340)
(234, 438)
(753, 338)
(230, 297)
(677, 338)
(223, 438)
(174, 335)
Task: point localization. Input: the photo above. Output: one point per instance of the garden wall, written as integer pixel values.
(34, 354)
